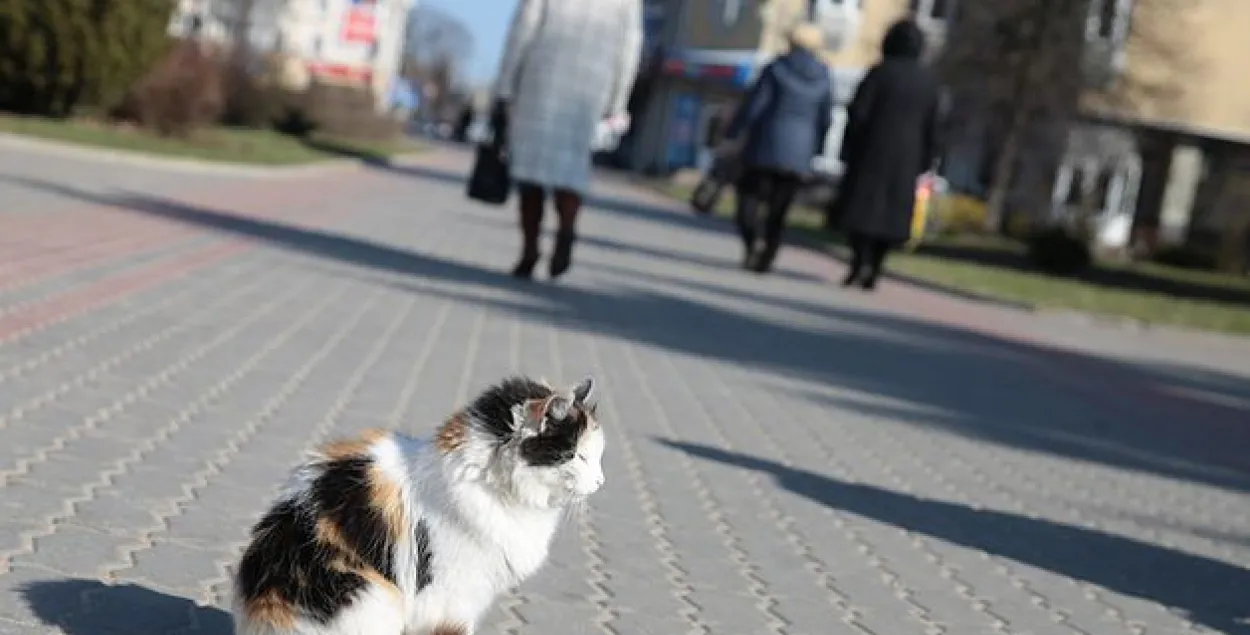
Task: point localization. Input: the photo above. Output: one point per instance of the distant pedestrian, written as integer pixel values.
(463, 123)
(567, 65)
(890, 141)
(783, 119)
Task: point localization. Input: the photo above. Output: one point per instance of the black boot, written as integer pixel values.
(852, 276)
(764, 260)
(562, 257)
(749, 255)
(525, 266)
(868, 281)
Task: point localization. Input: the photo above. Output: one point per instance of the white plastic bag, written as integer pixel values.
(609, 132)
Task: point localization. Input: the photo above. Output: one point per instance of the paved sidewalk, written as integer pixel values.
(784, 456)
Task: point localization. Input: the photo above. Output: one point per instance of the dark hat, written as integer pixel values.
(903, 39)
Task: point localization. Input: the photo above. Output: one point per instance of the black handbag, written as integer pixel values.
(491, 179)
(706, 194)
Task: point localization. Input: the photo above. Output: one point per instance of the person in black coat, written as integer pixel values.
(889, 141)
(784, 118)
(461, 131)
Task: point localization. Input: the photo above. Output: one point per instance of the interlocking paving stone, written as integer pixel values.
(784, 456)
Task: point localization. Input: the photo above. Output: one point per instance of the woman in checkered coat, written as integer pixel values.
(567, 65)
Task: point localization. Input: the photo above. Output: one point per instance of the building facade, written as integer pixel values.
(1191, 136)
(1162, 147)
(357, 42)
(702, 55)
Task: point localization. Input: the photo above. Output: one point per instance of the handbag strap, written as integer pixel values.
(499, 125)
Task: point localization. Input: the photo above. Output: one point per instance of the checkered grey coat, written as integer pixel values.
(567, 64)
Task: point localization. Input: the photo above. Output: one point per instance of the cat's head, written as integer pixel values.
(546, 444)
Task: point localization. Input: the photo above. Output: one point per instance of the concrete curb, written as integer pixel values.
(25, 143)
(1077, 317)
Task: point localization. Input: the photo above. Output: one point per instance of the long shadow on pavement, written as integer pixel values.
(1209, 592)
(991, 389)
(988, 389)
(90, 607)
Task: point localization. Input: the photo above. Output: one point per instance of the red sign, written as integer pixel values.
(342, 73)
(359, 25)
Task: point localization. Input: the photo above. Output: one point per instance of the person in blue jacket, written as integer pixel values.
(782, 125)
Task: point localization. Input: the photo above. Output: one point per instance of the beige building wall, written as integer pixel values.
(863, 50)
(705, 27)
(1185, 68)
(1196, 56)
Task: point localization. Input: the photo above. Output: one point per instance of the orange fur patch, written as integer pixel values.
(328, 534)
(450, 629)
(271, 609)
(453, 434)
(346, 564)
(388, 498)
(356, 447)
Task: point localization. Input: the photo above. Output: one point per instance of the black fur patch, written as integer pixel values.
(285, 558)
(342, 495)
(493, 408)
(558, 442)
(424, 556)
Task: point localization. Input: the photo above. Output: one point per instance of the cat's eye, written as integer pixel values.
(582, 457)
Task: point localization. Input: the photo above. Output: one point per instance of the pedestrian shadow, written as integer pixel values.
(90, 607)
(1000, 391)
(1208, 592)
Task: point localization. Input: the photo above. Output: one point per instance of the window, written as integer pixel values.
(1108, 20)
(932, 9)
(814, 8)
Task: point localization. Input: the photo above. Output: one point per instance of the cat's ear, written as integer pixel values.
(530, 418)
(583, 394)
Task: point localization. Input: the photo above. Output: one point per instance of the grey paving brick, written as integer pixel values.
(72, 550)
(783, 457)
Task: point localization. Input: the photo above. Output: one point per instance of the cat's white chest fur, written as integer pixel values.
(481, 546)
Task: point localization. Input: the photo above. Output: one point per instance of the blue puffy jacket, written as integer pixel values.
(786, 114)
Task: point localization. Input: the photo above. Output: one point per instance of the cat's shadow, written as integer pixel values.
(91, 607)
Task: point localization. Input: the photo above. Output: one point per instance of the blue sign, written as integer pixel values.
(683, 121)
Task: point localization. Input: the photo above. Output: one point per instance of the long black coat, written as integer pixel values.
(890, 140)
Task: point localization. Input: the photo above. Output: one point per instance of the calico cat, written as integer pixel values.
(389, 535)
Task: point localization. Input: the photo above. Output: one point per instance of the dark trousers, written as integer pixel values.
(867, 258)
(772, 192)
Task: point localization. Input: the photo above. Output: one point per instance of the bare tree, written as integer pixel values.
(251, 27)
(1029, 69)
(252, 35)
(438, 47)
